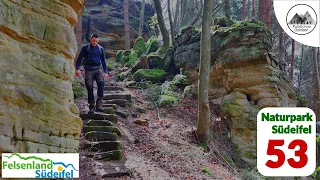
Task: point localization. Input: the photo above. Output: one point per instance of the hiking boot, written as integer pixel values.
(99, 105)
(91, 109)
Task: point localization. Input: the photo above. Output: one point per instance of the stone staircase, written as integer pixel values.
(102, 136)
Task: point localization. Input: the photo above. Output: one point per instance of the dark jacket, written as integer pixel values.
(93, 58)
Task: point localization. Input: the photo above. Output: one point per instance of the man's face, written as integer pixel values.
(94, 41)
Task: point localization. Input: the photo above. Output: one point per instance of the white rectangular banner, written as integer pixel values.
(40, 165)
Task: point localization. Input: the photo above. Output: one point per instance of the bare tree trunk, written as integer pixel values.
(171, 23)
(285, 59)
(203, 130)
(262, 9)
(188, 12)
(143, 3)
(253, 13)
(316, 80)
(88, 29)
(198, 15)
(300, 69)
(292, 59)
(175, 21)
(126, 25)
(280, 45)
(163, 29)
(184, 4)
(268, 17)
(248, 9)
(227, 12)
(244, 2)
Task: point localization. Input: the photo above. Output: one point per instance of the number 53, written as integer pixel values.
(281, 155)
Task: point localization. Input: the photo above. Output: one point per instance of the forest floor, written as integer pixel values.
(168, 147)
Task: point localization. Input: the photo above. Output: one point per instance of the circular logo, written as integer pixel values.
(302, 19)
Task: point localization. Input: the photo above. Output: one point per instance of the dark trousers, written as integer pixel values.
(90, 77)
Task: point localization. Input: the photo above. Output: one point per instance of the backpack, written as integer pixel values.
(100, 48)
(86, 63)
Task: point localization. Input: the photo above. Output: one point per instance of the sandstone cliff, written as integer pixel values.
(38, 46)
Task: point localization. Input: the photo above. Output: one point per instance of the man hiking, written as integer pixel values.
(93, 58)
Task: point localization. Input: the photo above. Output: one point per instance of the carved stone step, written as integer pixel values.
(99, 116)
(99, 123)
(111, 129)
(113, 88)
(101, 136)
(119, 102)
(117, 96)
(106, 156)
(109, 110)
(114, 106)
(103, 146)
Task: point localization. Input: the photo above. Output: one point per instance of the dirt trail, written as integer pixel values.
(167, 149)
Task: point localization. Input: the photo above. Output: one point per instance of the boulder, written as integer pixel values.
(152, 45)
(153, 75)
(132, 59)
(139, 46)
(156, 61)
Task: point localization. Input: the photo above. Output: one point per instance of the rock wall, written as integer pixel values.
(38, 46)
(244, 73)
(105, 17)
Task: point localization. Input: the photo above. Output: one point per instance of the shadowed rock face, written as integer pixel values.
(38, 45)
(106, 19)
(245, 77)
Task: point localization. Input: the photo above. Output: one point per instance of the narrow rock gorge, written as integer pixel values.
(38, 47)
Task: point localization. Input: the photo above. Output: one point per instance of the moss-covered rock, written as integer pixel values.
(152, 45)
(140, 63)
(132, 58)
(168, 60)
(123, 56)
(155, 61)
(223, 21)
(153, 75)
(250, 23)
(186, 28)
(140, 46)
(139, 85)
(109, 110)
(119, 55)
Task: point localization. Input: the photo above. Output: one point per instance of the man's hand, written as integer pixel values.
(78, 73)
(106, 76)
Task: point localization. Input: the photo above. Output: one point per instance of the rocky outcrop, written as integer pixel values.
(105, 17)
(244, 73)
(38, 45)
